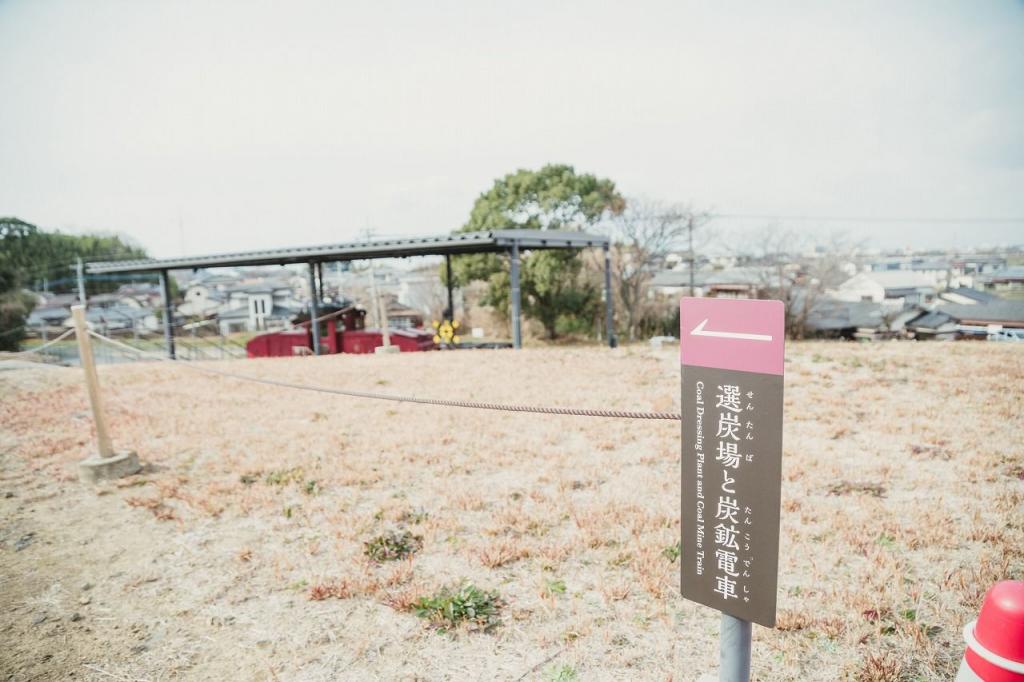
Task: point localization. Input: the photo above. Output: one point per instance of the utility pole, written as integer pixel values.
(314, 323)
(380, 310)
(693, 258)
(80, 269)
(382, 317)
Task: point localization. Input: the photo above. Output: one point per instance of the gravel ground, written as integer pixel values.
(238, 552)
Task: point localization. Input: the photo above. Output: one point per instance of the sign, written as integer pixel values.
(446, 332)
(732, 370)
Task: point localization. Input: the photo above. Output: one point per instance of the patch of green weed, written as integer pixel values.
(284, 476)
(562, 673)
(465, 604)
(393, 546)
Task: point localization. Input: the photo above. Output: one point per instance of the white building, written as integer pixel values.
(250, 303)
(895, 287)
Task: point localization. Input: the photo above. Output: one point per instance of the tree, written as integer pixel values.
(642, 236)
(30, 256)
(14, 305)
(552, 198)
(15, 235)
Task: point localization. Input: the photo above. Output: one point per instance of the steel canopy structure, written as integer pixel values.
(511, 242)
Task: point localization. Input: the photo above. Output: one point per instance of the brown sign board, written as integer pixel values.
(732, 384)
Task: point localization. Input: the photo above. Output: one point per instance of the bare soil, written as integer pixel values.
(238, 553)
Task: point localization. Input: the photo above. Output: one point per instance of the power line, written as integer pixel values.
(869, 219)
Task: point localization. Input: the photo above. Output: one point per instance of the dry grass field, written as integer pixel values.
(278, 534)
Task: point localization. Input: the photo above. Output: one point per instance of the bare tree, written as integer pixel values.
(642, 236)
(798, 270)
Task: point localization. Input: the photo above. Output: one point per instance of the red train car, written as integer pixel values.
(407, 340)
(275, 344)
(343, 333)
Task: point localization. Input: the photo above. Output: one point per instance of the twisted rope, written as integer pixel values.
(534, 409)
(40, 349)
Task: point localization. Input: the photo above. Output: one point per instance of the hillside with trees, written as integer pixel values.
(41, 260)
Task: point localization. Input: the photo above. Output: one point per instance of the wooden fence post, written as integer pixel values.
(107, 464)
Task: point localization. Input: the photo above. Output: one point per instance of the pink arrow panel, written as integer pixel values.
(726, 333)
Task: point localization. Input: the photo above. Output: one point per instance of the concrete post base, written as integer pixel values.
(96, 469)
(387, 349)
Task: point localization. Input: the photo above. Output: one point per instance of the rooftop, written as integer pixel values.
(681, 278)
(993, 312)
(973, 294)
(462, 242)
(1014, 272)
(830, 314)
(893, 279)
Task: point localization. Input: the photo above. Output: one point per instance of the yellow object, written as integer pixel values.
(446, 332)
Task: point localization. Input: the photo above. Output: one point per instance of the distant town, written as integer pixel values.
(928, 296)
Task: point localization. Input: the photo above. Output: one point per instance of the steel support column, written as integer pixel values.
(165, 289)
(448, 283)
(314, 295)
(609, 303)
(517, 332)
(734, 650)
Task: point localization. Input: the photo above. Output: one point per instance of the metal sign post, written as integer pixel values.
(731, 353)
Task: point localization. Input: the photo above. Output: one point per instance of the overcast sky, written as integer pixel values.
(262, 124)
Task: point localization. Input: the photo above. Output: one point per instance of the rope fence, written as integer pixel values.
(469, 404)
(40, 349)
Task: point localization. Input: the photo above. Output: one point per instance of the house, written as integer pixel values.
(249, 301)
(140, 295)
(939, 272)
(117, 318)
(966, 296)
(48, 316)
(1008, 314)
(51, 310)
(670, 283)
(200, 300)
(893, 287)
(1002, 319)
(741, 282)
(258, 315)
(830, 318)
(978, 264)
(403, 317)
(1005, 279)
(933, 325)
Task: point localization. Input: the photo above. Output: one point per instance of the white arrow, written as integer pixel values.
(699, 331)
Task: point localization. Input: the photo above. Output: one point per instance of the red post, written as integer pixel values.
(332, 336)
(995, 642)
